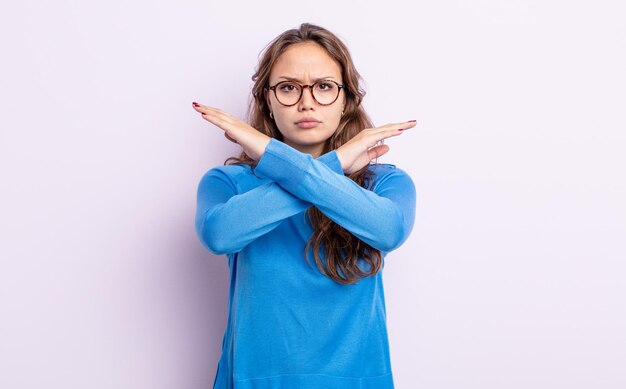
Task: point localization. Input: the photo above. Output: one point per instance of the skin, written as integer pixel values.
(306, 62)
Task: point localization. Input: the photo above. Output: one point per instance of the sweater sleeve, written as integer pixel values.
(226, 221)
(382, 217)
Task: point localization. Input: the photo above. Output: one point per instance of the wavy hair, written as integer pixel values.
(341, 248)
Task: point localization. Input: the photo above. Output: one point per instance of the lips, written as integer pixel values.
(307, 119)
(307, 122)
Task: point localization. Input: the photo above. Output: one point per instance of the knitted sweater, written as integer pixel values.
(289, 326)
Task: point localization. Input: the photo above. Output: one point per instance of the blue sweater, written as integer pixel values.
(289, 326)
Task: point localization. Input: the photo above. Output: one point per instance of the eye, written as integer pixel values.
(326, 86)
(287, 87)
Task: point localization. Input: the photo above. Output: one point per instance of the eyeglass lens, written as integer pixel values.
(324, 92)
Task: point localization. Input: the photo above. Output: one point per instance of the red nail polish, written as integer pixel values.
(196, 104)
(412, 120)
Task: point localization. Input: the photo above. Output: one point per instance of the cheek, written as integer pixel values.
(282, 120)
(281, 115)
(336, 113)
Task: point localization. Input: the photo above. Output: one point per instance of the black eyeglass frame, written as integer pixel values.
(339, 87)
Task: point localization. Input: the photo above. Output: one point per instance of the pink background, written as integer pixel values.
(513, 276)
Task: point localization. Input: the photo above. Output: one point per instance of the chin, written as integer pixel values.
(308, 138)
(309, 141)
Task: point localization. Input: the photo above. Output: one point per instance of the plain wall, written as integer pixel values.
(513, 276)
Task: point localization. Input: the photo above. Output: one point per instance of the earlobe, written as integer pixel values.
(269, 103)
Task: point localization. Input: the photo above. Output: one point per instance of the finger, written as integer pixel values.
(373, 138)
(216, 112)
(409, 124)
(377, 151)
(198, 107)
(220, 118)
(395, 126)
(388, 130)
(206, 108)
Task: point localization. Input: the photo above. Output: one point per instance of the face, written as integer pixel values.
(306, 63)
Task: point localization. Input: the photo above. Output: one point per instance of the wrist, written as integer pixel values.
(341, 159)
(262, 146)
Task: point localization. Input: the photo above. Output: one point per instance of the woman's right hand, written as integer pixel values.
(252, 142)
(360, 150)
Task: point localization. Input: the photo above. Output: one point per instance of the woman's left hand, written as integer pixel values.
(251, 140)
(363, 147)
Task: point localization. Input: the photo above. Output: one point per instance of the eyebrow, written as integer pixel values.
(315, 80)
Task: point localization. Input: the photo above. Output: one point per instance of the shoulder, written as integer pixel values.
(385, 174)
(233, 170)
(382, 168)
(232, 175)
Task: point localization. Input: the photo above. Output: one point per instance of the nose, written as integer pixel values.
(307, 101)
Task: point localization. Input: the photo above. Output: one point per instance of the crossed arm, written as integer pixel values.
(226, 221)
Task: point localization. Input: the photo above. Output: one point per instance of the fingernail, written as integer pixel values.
(412, 120)
(196, 104)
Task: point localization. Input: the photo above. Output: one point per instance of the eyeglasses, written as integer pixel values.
(324, 92)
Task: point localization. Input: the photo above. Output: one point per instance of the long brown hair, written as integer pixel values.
(342, 249)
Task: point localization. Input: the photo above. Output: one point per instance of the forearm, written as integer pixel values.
(226, 220)
(382, 217)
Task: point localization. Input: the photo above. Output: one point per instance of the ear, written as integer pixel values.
(266, 96)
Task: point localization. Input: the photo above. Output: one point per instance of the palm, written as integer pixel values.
(365, 146)
(252, 141)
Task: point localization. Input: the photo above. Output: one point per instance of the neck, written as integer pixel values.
(314, 150)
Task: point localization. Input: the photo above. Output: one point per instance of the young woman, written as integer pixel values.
(304, 187)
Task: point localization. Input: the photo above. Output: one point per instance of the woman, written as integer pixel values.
(303, 187)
